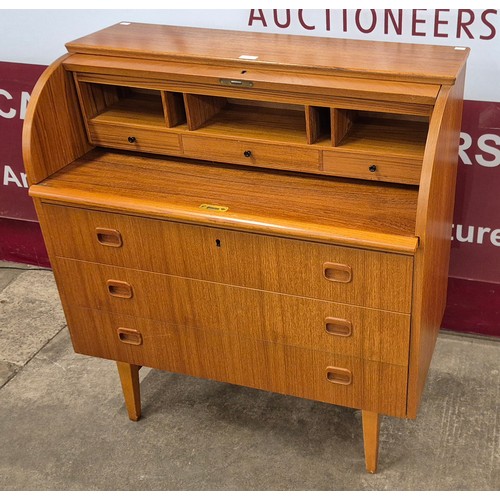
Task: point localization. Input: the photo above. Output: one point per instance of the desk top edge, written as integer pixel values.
(336, 56)
(108, 181)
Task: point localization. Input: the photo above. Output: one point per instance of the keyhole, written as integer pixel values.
(217, 243)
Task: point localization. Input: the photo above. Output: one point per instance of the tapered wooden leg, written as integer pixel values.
(371, 427)
(129, 377)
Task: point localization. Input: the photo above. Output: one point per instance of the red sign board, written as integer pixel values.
(476, 229)
(476, 232)
(16, 84)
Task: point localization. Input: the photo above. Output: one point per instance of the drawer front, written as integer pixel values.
(251, 153)
(359, 277)
(372, 167)
(214, 308)
(134, 138)
(310, 374)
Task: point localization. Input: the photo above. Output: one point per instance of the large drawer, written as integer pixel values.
(247, 313)
(250, 153)
(307, 373)
(360, 277)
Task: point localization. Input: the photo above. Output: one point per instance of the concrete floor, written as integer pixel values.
(63, 424)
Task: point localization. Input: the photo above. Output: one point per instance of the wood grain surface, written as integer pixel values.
(53, 131)
(373, 166)
(314, 89)
(367, 215)
(434, 218)
(378, 387)
(248, 313)
(251, 260)
(134, 137)
(129, 378)
(259, 154)
(283, 267)
(360, 58)
(371, 427)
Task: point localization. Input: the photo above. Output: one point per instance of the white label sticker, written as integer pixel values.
(249, 58)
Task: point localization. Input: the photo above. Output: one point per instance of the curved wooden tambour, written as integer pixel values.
(53, 132)
(321, 90)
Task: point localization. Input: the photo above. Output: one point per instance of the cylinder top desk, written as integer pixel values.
(266, 210)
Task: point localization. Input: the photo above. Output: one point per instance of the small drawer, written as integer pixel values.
(306, 373)
(373, 167)
(251, 153)
(134, 138)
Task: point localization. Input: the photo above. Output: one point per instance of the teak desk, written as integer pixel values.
(266, 210)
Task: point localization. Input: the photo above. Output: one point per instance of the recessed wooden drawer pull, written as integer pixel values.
(109, 237)
(337, 326)
(341, 273)
(341, 376)
(128, 336)
(120, 289)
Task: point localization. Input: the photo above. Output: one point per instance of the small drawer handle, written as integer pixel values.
(129, 336)
(247, 154)
(109, 237)
(341, 376)
(341, 273)
(120, 289)
(339, 327)
(131, 139)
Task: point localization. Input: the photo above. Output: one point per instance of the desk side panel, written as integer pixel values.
(53, 133)
(433, 227)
